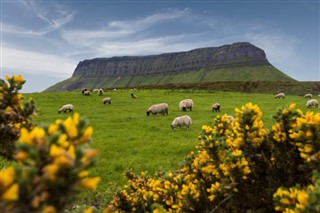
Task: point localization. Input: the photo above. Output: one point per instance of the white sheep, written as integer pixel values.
(86, 93)
(100, 91)
(133, 95)
(280, 95)
(158, 108)
(308, 95)
(83, 90)
(186, 104)
(216, 107)
(106, 100)
(66, 107)
(184, 120)
(312, 102)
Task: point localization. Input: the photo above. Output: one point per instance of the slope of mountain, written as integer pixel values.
(235, 62)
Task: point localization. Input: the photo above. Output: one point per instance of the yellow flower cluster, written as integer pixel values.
(52, 164)
(306, 135)
(233, 158)
(205, 179)
(292, 200)
(9, 190)
(14, 113)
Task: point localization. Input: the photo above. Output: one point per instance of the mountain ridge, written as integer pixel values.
(223, 63)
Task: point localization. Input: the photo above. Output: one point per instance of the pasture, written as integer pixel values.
(128, 139)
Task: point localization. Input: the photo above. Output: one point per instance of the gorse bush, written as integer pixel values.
(14, 114)
(239, 167)
(51, 166)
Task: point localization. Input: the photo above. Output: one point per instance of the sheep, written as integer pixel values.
(133, 95)
(86, 93)
(158, 108)
(308, 95)
(100, 91)
(216, 107)
(312, 102)
(66, 107)
(106, 100)
(95, 90)
(186, 104)
(83, 90)
(231, 118)
(280, 95)
(184, 120)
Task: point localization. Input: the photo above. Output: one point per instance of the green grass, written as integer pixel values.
(128, 139)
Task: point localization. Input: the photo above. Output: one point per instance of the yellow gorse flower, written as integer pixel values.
(90, 183)
(18, 79)
(6, 177)
(11, 194)
(71, 127)
(34, 136)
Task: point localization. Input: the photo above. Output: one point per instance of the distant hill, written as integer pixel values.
(234, 62)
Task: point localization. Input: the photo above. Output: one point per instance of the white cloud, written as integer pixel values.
(36, 63)
(50, 17)
(119, 30)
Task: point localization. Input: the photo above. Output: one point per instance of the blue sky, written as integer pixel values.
(45, 40)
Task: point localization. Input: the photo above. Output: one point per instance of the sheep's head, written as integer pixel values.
(148, 113)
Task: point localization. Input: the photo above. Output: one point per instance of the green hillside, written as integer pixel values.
(246, 73)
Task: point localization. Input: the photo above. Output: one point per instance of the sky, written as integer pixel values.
(44, 40)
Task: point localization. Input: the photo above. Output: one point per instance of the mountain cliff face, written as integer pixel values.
(234, 55)
(235, 62)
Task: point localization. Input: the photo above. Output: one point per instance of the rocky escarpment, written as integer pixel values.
(234, 55)
(234, 62)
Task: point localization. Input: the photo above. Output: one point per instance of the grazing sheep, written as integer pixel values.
(186, 104)
(84, 90)
(312, 102)
(106, 100)
(216, 107)
(231, 118)
(133, 95)
(158, 108)
(86, 93)
(308, 95)
(100, 91)
(95, 90)
(184, 120)
(66, 107)
(280, 95)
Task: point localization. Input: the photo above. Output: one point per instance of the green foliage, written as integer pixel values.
(14, 114)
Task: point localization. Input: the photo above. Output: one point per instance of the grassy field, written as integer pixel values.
(128, 139)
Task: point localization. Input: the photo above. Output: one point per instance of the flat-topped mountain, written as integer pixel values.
(234, 62)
